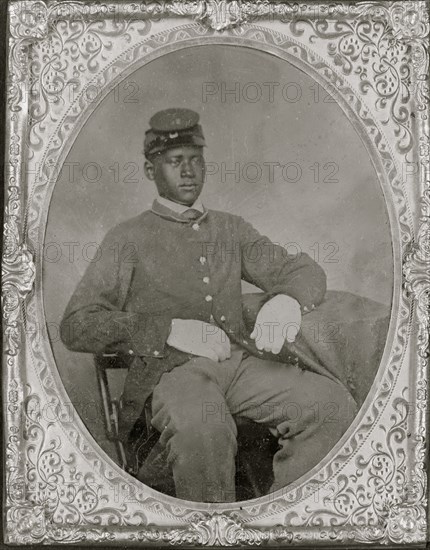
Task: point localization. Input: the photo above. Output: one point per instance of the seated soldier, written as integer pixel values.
(166, 291)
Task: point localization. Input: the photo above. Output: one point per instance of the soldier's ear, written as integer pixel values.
(149, 170)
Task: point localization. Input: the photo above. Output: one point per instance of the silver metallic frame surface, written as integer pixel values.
(371, 488)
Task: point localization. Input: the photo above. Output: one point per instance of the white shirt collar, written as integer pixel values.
(180, 208)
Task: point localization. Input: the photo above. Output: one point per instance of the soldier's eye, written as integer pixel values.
(197, 161)
(174, 162)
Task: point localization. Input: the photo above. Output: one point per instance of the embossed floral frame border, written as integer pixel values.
(59, 486)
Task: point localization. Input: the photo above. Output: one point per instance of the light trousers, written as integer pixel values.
(194, 407)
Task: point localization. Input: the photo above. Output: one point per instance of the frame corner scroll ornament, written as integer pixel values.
(28, 20)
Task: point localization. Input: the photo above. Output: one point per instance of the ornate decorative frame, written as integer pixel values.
(60, 486)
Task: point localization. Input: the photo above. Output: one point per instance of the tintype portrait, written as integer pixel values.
(217, 273)
(163, 288)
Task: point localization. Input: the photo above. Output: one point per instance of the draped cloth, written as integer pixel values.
(344, 338)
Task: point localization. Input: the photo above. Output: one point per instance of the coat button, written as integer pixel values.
(222, 318)
(208, 298)
(206, 280)
(202, 260)
(130, 352)
(156, 353)
(195, 226)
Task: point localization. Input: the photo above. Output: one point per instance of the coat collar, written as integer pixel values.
(164, 211)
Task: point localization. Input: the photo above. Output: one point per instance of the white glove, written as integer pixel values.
(278, 320)
(199, 338)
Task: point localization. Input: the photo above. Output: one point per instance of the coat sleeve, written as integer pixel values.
(94, 320)
(268, 266)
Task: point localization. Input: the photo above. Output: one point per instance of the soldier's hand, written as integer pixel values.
(278, 320)
(199, 338)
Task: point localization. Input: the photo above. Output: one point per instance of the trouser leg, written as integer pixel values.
(201, 453)
(307, 411)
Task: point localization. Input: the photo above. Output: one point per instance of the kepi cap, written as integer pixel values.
(173, 128)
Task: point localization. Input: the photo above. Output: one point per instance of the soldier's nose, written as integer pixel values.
(187, 168)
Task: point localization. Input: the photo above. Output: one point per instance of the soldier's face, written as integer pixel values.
(178, 174)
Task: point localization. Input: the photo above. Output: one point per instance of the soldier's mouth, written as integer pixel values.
(187, 186)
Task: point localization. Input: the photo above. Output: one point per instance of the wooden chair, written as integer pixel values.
(256, 445)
